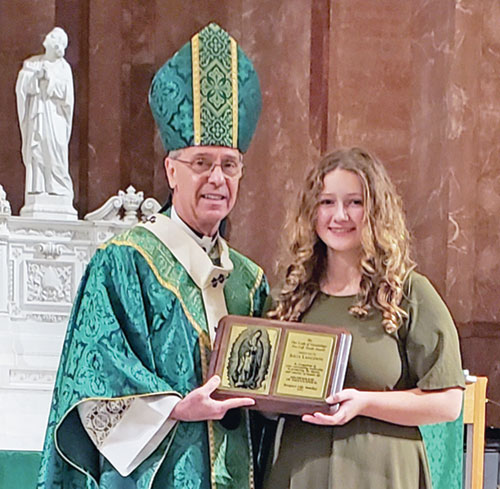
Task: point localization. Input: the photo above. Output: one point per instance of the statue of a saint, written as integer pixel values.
(45, 100)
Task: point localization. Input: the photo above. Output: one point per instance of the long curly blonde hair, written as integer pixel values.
(385, 257)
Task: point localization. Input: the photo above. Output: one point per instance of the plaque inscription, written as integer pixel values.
(305, 365)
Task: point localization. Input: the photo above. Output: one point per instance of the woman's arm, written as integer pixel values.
(412, 407)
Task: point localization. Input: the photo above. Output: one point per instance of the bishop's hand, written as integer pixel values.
(199, 406)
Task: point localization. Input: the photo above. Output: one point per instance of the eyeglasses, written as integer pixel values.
(205, 164)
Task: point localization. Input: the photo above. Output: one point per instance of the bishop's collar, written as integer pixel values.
(207, 243)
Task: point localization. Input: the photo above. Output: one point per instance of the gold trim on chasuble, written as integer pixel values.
(251, 474)
(256, 285)
(211, 445)
(203, 335)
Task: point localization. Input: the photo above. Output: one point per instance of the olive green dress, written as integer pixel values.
(367, 453)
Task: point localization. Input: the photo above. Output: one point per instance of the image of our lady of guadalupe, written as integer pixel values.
(249, 359)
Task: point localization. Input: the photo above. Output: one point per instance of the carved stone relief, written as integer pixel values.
(48, 283)
(41, 263)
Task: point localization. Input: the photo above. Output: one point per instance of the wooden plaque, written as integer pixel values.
(286, 367)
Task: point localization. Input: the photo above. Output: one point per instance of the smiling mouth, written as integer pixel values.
(341, 230)
(214, 197)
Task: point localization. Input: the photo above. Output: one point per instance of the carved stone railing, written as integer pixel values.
(128, 207)
(41, 263)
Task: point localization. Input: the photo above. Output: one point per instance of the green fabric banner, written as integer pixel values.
(19, 469)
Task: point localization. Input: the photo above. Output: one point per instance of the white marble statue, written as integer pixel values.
(5, 209)
(45, 100)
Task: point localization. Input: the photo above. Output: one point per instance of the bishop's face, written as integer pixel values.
(202, 199)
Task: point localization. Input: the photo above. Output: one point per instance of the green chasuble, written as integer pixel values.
(138, 328)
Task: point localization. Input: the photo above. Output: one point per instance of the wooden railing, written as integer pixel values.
(474, 420)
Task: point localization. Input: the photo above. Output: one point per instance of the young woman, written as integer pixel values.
(350, 266)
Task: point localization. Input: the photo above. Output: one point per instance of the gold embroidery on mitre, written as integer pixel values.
(195, 61)
(234, 79)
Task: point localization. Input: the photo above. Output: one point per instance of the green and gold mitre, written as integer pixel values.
(207, 94)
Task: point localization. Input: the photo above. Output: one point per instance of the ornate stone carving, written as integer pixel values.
(149, 206)
(15, 311)
(21, 376)
(48, 233)
(11, 280)
(17, 251)
(110, 211)
(103, 236)
(48, 283)
(48, 318)
(127, 204)
(131, 202)
(82, 255)
(49, 250)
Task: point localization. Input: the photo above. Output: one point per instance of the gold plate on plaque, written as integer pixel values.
(305, 364)
(251, 358)
(285, 366)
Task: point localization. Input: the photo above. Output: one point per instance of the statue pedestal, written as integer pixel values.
(45, 206)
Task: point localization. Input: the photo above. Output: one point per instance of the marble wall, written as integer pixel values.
(417, 82)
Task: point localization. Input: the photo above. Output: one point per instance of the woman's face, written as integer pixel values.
(340, 213)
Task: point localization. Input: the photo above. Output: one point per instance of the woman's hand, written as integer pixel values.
(351, 403)
(411, 407)
(199, 406)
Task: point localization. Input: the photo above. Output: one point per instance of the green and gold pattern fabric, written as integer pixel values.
(207, 94)
(138, 328)
(215, 58)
